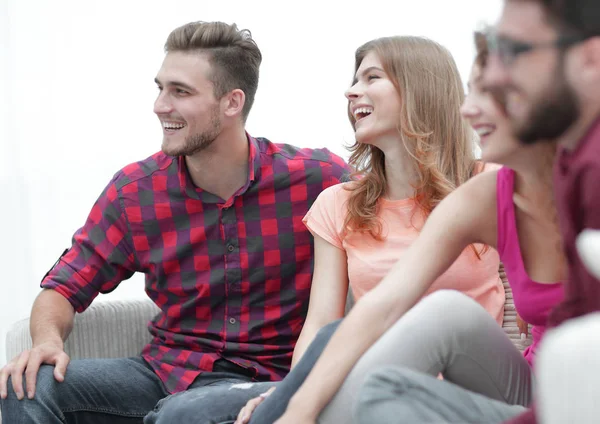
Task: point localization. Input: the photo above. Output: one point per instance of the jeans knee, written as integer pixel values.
(170, 409)
(210, 405)
(31, 410)
(44, 384)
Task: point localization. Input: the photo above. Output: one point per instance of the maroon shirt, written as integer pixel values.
(231, 277)
(577, 193)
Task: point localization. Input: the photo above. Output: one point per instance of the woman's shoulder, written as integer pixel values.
(339, 191)
(471, 209)
(481, 188)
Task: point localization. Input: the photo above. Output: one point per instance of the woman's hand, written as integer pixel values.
(246, 412)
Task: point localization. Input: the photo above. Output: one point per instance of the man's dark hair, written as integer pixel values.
(574, 17)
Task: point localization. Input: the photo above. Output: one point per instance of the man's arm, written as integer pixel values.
(101, 256)
(50, 324)
(51, 318)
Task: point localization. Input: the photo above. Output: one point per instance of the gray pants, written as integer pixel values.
(567, 365)
(447, 332)
(401, 395)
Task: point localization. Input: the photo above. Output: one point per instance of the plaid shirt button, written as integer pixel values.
(230, 248)
(232, 320)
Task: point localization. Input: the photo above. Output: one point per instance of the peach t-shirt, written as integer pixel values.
(369, 260)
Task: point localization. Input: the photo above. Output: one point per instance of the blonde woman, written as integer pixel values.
(412, 149)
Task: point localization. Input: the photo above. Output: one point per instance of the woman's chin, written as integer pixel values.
(363, 138)
(489, 157)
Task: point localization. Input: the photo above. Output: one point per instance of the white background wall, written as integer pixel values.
(76, 95)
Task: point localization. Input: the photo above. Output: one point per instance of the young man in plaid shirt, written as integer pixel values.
(215, 223)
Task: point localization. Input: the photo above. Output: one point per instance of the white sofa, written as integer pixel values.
(112, 329)
(118, 329)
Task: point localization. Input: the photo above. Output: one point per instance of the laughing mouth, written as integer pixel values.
(172, 126)
(485, 131)
(362, 112)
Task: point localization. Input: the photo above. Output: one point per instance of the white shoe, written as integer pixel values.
(588, 246)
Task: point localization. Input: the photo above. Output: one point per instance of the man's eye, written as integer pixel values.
(180, 91)
(372, 77)
(519, 48)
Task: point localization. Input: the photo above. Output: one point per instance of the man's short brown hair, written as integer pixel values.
(233, 54)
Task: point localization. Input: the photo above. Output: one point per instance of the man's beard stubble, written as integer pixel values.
(553, 115)
(196, 143)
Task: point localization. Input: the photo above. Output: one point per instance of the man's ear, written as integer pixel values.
(591, 58)
(233, 103)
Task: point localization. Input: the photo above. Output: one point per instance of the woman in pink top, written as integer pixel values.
(446, 332)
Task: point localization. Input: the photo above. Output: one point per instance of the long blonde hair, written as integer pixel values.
(430, 125)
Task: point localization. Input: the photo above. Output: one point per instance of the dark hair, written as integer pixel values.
(574, 17)
(481, 49)
(234, 56)
(579, 18)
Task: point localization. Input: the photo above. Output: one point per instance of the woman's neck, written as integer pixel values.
(400, 173)
(533, 183)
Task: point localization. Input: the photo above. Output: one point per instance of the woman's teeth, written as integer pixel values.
(483, 131)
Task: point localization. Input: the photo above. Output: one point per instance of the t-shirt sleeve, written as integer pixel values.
(101, 255)
(326, 216)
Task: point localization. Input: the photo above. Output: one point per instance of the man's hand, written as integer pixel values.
(29, 362)
(246, 412)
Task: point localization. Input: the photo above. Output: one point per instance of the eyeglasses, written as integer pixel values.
(508, 50)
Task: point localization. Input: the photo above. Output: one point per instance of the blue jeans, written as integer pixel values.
(275, 405)
(127, 391)
(200, 406)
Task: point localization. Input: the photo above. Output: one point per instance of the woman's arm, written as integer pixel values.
(466, 216)
(327, 294)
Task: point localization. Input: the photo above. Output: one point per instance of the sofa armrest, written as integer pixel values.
(111, 329)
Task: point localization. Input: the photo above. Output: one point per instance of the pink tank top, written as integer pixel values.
(533, 300)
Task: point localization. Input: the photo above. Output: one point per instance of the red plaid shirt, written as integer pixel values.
(232, 278)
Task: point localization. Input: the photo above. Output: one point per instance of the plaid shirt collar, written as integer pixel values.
(188, 187)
